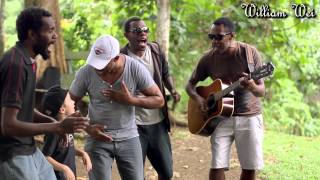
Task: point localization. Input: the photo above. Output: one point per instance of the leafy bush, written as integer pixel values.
(292, 94)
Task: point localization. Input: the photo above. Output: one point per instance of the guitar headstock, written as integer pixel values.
(263, 71)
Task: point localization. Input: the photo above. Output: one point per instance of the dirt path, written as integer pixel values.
(191, 158)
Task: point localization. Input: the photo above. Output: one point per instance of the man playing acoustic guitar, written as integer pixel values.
(230, 60)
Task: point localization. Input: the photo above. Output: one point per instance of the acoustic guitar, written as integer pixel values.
(220, 102)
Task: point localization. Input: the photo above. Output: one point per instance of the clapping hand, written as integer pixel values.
(73, 124)
(97, 132)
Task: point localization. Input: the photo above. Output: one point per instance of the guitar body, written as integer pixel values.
(219, 102)
(205, 124)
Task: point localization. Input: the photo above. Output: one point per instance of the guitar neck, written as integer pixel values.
(227, 90)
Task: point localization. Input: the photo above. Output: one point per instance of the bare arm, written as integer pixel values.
(42, 118)
(74, 98)
(56, 165)
(94, 130)
(11, 126)
(79, 152)
(85, 159)
(168, 83)
(257, 87)
(153, 98)
(61, 167)
(191, 90)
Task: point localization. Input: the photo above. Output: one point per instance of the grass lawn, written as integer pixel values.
(289, 157)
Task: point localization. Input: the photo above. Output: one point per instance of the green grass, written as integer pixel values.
(289, 157)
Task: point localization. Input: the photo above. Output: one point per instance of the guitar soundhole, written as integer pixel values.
(211, 103)
(212, 110)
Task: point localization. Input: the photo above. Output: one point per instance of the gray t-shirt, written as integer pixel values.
(119, 118)
(146, 116)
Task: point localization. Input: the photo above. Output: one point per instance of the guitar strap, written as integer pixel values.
(249, 55)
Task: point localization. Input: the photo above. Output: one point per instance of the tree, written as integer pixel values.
(1, 27)
(163, 25)
(57, 57)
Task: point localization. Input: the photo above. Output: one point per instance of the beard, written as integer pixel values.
(42, 49)
(219, 48)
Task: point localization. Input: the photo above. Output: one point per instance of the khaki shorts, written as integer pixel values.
(247, 132)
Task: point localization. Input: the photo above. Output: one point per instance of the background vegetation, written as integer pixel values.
(292, 100)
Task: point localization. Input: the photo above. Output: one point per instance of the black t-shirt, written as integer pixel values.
(17, 85)
(61, 151)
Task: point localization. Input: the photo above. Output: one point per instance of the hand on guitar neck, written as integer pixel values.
(246, 82)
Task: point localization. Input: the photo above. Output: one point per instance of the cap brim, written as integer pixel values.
(97, 62)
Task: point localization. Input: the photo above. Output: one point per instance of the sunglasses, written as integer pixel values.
(139, 30)
(217, 37)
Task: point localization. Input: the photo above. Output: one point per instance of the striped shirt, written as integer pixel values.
(17, 85)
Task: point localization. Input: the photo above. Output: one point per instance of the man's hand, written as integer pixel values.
(75, 114)
(246, 82)
(68, 174)
(73, 124)
(176, 96)
(202, 103)
(97, 132)
(123, 96)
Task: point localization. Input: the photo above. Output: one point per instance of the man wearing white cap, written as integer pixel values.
(111, 79)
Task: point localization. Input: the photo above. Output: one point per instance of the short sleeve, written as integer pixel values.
(143, 77)
(257, 59)
(78, 86)
(12, 77)
(200, 72)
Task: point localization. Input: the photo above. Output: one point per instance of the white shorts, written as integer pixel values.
(247, 132)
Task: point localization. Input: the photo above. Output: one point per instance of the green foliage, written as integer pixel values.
(12, 8)
(141, 8)
(287, 111)
(80, 26)
(292, 94)
(292, 100)
(289, 157)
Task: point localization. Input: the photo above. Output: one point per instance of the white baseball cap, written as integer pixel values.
(103, 50)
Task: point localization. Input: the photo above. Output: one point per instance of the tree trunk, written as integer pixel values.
(163, 34)
(1, 27)
(163, 25)
(57, 57)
